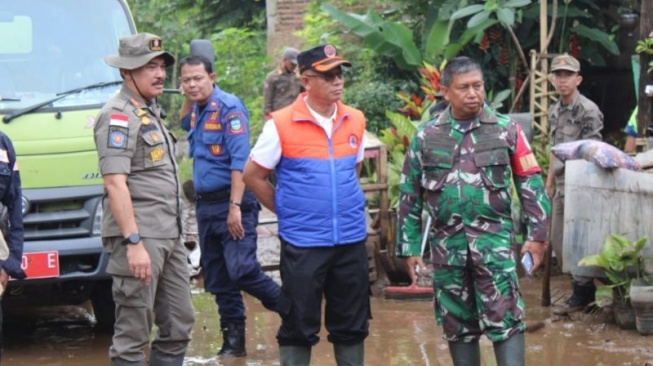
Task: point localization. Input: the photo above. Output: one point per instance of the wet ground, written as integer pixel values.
(401, 333)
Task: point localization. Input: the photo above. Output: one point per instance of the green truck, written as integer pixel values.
(53, 81)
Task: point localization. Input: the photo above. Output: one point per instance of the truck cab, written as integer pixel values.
(53, 81)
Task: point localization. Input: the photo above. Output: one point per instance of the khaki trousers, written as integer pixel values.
(166, 301)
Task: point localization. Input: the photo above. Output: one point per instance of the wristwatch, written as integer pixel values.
(132, 238)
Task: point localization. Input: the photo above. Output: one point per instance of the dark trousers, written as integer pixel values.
(340, 275)
(229, 265)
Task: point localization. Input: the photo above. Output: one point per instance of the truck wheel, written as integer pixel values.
(104, 308)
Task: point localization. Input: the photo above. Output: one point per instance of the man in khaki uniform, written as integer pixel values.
(572, 118)
(282, 85)
(141, 224)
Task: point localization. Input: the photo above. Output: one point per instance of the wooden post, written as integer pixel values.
(544, 131)
(645, 102)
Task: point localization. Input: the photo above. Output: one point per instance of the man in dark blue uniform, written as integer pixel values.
(11, 219)
(227, 214)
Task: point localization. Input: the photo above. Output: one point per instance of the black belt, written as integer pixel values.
(213, 196)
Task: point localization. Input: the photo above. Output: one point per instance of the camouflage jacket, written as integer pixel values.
(464, 174)
(580, 120)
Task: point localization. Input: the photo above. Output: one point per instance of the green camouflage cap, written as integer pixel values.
(565, 62)
(136, 50)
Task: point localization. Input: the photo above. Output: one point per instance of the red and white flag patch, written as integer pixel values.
(119, 120)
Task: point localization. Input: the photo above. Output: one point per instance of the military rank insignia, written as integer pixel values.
(118, 131)
(157, 154)
(236, 123)
(155, 136)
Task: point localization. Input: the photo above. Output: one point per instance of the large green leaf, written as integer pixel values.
(453, 48)
(572, 12)
(516, 3)
(603, 296)
(597, 35)
(639, 244)
(404, 126)
(478, 19)
(506, 16)
(385, 38)
(437, 40)
(467, 11)
(595, 260)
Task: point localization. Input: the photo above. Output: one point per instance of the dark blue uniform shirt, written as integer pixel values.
(11, 198)
(218, 139)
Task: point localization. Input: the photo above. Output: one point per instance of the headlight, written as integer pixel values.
(97, 220)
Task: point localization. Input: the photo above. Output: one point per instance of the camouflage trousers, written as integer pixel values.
(478, 299)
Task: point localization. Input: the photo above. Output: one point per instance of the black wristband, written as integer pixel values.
(234, 203)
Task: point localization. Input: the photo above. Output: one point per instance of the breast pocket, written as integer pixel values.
(154, 150)
(281, 85)
(435, 166)
(493, 165)
(214, 142)
(570, 131)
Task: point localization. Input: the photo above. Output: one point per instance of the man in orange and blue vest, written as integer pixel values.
(315, 145)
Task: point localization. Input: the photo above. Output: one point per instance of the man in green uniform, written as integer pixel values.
(572, 118)
(282, 85)
(141, 225)
(459, 167)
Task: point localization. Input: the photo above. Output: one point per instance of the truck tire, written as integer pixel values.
(104, 308)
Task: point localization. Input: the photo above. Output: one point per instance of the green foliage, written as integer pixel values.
(318, 28)
(646, 46)
(503, 10)
(582, 29)
(374, 98)
(622, 262)
(389, 39)
(241, 62)
(185, 165)
(215, 15)
(241, 66)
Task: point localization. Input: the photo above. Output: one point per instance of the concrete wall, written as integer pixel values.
(284, 18)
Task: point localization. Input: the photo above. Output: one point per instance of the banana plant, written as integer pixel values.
(397, 41)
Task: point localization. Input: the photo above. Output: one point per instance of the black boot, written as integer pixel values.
(233, 344)
(349, 355)
(295, 355)
(163, 359)
(465, 354)
(512, 351)
(581, 296)
(116, 361)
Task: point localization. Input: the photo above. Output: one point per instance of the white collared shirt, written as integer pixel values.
(267, 151)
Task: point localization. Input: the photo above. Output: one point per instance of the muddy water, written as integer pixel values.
(402, 333)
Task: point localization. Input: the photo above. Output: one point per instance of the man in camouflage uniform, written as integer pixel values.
(141, 222)
(282, 85)
(459, 166)
(572, 118)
